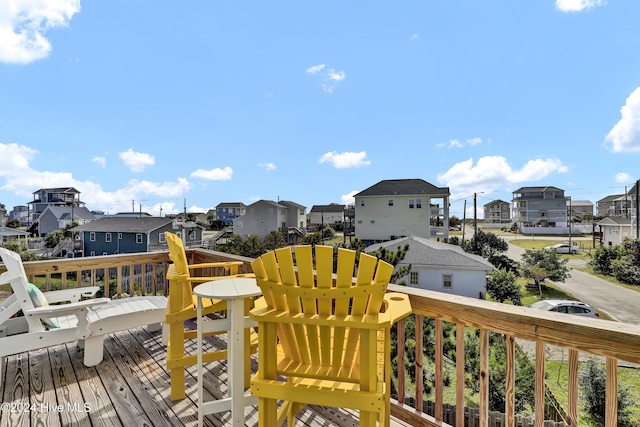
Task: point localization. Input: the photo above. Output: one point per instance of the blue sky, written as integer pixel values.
(157, 105)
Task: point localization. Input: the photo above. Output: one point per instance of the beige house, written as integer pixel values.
(401, 207)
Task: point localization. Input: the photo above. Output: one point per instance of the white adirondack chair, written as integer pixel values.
(86, 321)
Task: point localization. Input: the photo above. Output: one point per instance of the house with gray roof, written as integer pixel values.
(333, 215)
(266, 216)
(124, 235)
(540, 210)
(55, 218)
(401, 207)
(442, 267)
(226, 212)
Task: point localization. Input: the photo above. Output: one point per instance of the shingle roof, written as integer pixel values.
(124, 224)
(428, 253)
(404, 187)
(333, 207)
(65, 212)
(538, 188)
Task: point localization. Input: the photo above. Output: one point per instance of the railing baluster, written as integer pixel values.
(484, 378)
(510, 386)
(572, 392)
(459, 374)
(401, 365)
(419, 362)
(439, 374)
(539, 393)
(611, 405)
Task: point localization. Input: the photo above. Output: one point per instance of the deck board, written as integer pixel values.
(129, 387)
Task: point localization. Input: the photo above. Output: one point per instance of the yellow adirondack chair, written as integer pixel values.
(325, 332)
(182, 307)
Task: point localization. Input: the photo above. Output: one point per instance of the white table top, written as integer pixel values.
(234, 287)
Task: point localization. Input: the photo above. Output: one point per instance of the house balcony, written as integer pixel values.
(131, 386)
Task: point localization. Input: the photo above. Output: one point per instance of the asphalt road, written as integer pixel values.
(618, 302)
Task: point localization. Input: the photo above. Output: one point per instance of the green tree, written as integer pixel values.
(502, 286)
(13, 223)
(538, 264)
(395, 258)
(593, 381)
(21, 250)
(53, 238)
(485, 244)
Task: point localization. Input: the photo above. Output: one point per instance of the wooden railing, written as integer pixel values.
(613, 341)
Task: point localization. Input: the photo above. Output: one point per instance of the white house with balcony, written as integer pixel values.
(401, 207)
(266, 216)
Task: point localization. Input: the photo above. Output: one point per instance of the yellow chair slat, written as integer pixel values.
(324, 334)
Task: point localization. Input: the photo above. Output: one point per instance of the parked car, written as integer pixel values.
(566, 306)
(563, 248)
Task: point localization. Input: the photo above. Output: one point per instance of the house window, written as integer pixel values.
(414, 278)
(390, 202)
(92, 236)
(192, 235)
(418, 203)
(361, 202)
(139, 238)
(359, 221)
(119, 236)
(162, 238)
(92, 253)
(107, 237)
(410, 203)
(447, 281)
(373, 221)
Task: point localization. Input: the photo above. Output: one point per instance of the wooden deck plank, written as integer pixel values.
(94, 394)
(130, 386)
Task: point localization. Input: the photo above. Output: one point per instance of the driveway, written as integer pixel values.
(618, 302)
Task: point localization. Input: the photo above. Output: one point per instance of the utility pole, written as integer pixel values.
(569, 222)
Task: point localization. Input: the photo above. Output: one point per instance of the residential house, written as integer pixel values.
(228, 211)
(442, 267)
(539, 210)
(401, 207)
(613, 230)
(333, 215)
(497, 212)
(55, 218)
(616, 205)
(124, 235)
(21, 213)
(59, 196)
(11, 234)
(580, 211)
(3, 215)
(266, 216)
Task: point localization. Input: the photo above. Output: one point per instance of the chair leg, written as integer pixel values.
(165, 334)
(154, 327)
(268, 412)
(93, 350)
(177, 384)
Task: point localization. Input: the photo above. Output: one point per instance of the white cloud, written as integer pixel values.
(348, 199)
(100, 160)
(14, 159)
(625, 135)
(216, 174)
(492, 172)
(23, 25)
(456, 143)
(577, 5)
(268, 166)
(135, 161)
(623, 178)
(316, 68)
(346, 159)
(415, 36)
(330, 77)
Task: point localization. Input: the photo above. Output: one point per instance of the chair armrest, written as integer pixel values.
(215, 264)
(397, 306)
(366, 321)
(71, 294)
(202, 279)
(65, 309)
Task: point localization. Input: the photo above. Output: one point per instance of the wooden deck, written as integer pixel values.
(130, 387)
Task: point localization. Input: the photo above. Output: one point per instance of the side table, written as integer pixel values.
(234, 291)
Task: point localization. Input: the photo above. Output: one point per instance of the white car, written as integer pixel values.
(565, 306)
(563, 248)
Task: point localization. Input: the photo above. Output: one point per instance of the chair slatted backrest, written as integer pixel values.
(310, 287)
